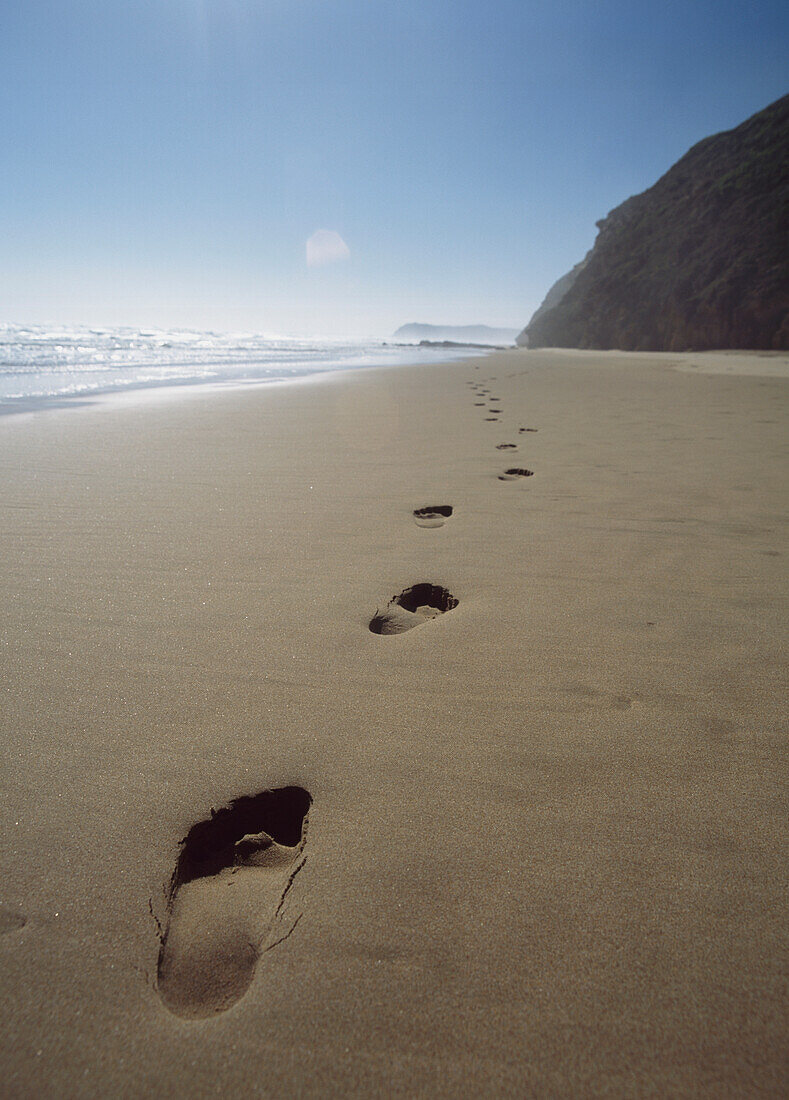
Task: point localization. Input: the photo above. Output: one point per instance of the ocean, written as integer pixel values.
(45, 364)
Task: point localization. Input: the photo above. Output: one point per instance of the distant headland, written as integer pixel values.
(457, 335)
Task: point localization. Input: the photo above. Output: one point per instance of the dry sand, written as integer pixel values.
(546, 852)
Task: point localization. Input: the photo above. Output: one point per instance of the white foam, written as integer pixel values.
(51, 362)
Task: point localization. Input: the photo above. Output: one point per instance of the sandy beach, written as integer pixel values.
(545, 853)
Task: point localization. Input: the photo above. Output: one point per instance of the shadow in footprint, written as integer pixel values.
(527, 429)
(506, 446)
(414, 606)
(434, 515)
(514, 473)
(227, 889)
(10, 920)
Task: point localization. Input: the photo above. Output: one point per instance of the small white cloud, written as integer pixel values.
(326, 247)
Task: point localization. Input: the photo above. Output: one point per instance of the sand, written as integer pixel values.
(546, 849)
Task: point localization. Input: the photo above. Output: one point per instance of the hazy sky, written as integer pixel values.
(165, 162)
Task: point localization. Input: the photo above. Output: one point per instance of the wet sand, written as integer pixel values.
(546, 849)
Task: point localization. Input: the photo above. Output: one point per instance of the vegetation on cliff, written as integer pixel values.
(700, 260)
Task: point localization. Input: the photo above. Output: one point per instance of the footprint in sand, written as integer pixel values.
(10, 920)
(434, 515)
(514, 473)
(414, 606)
(226, 893)
(479, 404)
(506, 446)
(528, 429)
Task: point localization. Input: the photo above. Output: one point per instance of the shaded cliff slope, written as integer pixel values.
(700, 260)
(554, 296)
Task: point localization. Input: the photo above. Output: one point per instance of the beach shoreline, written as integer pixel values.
(42, 367)
(546, 837)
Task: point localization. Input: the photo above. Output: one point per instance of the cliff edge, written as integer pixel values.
(700, 260)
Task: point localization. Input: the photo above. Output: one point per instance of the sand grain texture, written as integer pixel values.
(546, 851)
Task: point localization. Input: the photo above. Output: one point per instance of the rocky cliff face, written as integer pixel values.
(553, 297)
(700, 260)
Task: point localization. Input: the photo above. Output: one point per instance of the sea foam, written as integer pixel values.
(53, 362)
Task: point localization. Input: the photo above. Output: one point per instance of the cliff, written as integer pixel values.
(700, 260)
(554, 296)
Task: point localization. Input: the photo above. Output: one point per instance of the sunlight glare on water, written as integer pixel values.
(41, 362)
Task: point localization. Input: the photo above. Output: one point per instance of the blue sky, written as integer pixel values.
(165, 162)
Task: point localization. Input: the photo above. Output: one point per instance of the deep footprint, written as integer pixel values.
(506, 446)
(10, 920)
(514, 473)
(434, 515)
(229, 883)
(528, 429)
(414, 606)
